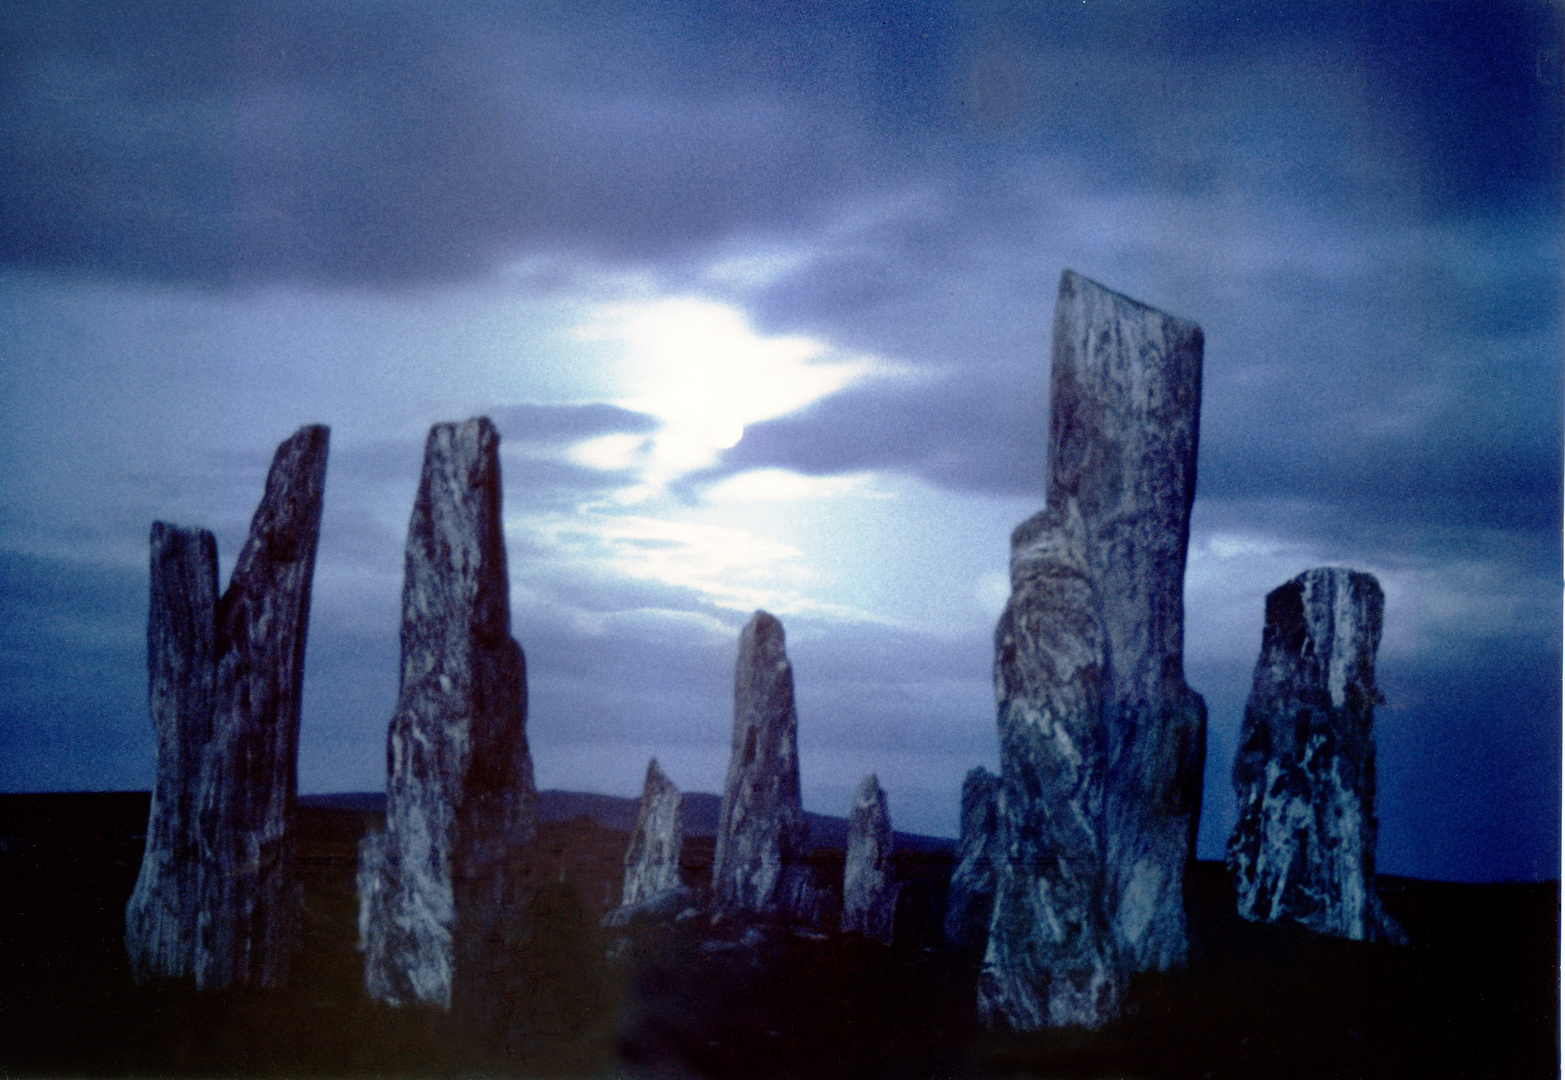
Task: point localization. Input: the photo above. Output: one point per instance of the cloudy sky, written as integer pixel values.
(759, 296)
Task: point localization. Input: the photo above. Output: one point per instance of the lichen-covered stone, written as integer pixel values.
(1051, 958)
(869, 888)
(1102, 742)
(225, 683)
(970, 897)
(442, 887)
(758, 866)
(652, 859)
(1303, 849)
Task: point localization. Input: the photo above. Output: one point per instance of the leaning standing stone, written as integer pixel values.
(1101, 741)
(441, 887)
(225, 685)
(869, 893)
(1303, 849)
(762, 834)
(652, 860)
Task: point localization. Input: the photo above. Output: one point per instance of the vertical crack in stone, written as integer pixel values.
(218, 897)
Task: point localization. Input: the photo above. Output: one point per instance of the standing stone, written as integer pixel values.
(762, 834)
(225, 682)
(1102, 743)
(970, 897)
(1051, 957)
(869, 895)
(160, 919)
(1303, 849)
(436, 887)
(652, 860)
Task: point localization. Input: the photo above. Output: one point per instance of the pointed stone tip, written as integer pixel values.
(869, 789)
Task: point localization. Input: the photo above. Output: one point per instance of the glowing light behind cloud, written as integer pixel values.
(699, 367)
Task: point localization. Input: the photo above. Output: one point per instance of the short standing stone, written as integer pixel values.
(970, 897)
(758, 866)
(1101, 741)
(869, 888)
(652, 860)
(438, 886)
(1303, 849)
(225, 686)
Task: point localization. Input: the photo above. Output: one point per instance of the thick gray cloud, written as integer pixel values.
(339, 142)
(1360, 203)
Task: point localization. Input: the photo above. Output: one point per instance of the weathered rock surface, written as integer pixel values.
(1102, 743)
(1303, 849)
(970, 897)
(869, 888)
(758, 866)
(442, 888)
(225, 682)
(160, 919)
(1051, 958)
(652, 859)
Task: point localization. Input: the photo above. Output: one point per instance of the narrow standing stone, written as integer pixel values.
(970, 897)
(161, 918)
(1303, 849)
(437, 887)
(762, 834)
(225, 686)
(652, 859)
(1102, 743)
(869, 891)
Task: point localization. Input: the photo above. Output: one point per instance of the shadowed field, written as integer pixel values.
(1475, 994)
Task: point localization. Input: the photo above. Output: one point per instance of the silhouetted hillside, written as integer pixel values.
(1475, 994)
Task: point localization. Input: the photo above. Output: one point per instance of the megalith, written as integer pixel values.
(869, 888)
(758, 865)
(1303, 849)
(441, 887)
(652, 859)
(217, 897)
(1101, 741)
(970, 896)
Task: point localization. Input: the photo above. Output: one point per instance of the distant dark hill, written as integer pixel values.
(618, 814)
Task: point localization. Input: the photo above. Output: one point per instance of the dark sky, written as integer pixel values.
(630, 232)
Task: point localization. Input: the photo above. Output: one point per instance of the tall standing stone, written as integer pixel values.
(225, 683)
(436, 887)
(652, 859)
(762, 834)
(970, 897)
(1102, 743)
(1303, 849)
(869, 888)
(160, 920)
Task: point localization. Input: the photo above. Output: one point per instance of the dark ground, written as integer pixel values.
(1474, 994)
